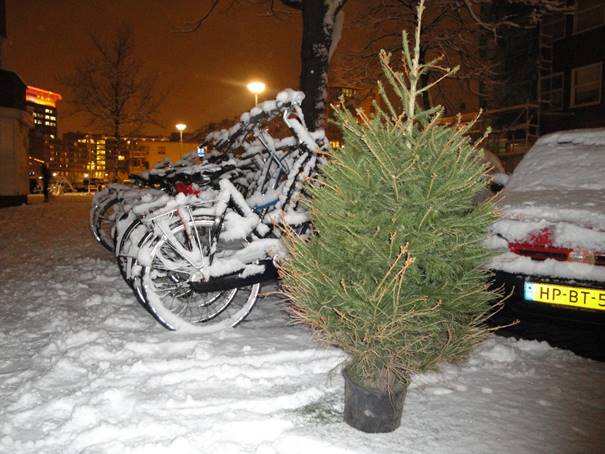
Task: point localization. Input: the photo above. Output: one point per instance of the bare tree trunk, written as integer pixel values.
(314, 61)
(319, 19)
(319, 22)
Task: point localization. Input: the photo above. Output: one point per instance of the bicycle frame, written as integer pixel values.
(214, 227)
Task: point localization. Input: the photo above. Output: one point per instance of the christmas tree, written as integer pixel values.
(394, 274)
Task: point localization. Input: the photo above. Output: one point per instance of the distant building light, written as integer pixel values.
(348, 92)
(336, 144)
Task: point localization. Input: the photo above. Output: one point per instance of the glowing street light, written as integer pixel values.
(256, 87)
(180, 128)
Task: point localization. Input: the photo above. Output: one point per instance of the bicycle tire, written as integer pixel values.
(172, 301)
(102, 223)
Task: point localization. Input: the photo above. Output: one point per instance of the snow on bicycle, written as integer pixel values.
(197, 238)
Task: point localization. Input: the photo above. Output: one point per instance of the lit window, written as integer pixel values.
(552, 91)
(586, 83)
(348, 92)
(589, 14)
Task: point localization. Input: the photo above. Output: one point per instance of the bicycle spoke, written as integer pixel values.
(257, 174)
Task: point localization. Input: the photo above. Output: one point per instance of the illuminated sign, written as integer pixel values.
(42, 97)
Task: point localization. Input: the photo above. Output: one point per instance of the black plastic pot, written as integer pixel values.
(372, 410)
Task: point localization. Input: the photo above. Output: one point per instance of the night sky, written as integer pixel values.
(205, 71)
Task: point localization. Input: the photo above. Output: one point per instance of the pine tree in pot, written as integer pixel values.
(394, 275)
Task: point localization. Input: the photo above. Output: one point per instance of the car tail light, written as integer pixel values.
(581, 256)
(538, 246)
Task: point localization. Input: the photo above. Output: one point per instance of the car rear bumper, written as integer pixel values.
(513, 288)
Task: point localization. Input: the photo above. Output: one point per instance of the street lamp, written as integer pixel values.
(181, 127)
(256, 87)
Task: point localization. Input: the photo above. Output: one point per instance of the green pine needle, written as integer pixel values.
(394, 274)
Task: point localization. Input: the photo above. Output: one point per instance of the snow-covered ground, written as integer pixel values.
(84, 369)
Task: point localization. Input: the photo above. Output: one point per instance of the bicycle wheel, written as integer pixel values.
(131, 233)
(102, 223)
(98, 201)
(167, 292)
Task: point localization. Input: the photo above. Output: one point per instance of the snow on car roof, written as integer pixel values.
(560, 180)
(577, 136)
(567, 160)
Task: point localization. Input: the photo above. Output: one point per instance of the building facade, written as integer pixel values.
(43, 106)
(550, 79)
(89, 157)
(44, 145)
(570, 68)
(146, 152)
(15, 123)
(85, 157)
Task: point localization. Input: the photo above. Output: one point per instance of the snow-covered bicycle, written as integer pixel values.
(195, 260)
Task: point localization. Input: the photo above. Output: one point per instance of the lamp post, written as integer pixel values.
(256, 87)
(181, 127)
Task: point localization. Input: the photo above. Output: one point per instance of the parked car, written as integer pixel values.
(550, 239)
(90, 185)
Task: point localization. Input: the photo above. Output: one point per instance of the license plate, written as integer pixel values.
(563, 295)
